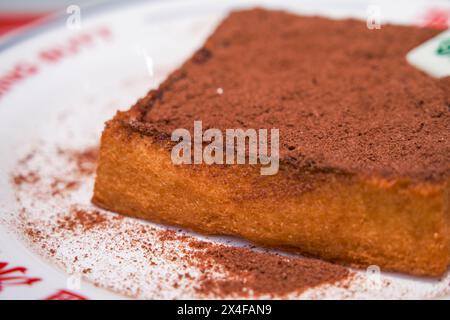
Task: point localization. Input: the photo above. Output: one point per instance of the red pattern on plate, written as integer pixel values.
(14, 276)
(13, 20)
(437, 19)
(65, 295)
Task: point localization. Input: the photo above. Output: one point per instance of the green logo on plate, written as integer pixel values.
(444, 47)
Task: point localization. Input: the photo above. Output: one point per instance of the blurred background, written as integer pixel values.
(17, 13)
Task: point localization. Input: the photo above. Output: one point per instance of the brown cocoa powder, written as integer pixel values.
(343, 96)
(81, 218)
(30, 177)
(85, 159)
(260, 273)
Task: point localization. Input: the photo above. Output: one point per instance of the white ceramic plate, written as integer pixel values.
(58, 86)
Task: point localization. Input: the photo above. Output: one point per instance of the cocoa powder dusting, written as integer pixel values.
(260, 273)
(85, 160)
(81, 218)
(81, 162)
(60, 186)
(25, 178)
(343, 96)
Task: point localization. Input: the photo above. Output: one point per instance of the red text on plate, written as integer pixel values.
(14, 276)
(65, 295)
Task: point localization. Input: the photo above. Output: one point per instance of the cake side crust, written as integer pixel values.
(352, 220)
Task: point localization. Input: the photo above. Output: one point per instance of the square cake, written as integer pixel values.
(364, 143)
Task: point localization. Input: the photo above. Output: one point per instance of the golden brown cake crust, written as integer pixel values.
(394, 224)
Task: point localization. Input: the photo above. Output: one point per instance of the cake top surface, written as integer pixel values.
(343, 96)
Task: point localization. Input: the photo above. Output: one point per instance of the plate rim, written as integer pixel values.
(53, 20)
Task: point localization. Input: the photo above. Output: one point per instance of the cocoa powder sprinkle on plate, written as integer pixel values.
(204, 267)
(261, 273)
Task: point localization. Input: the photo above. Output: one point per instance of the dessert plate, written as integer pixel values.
(59, 82)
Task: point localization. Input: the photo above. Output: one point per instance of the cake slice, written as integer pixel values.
(364, 143)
